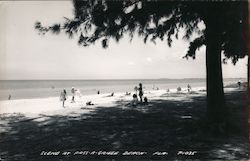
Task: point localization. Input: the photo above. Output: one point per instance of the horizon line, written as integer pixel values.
(111, 79)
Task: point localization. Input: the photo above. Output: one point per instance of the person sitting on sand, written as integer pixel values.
(111, 95)
(135, 100)
(140, 91)
(98, 92)
(179, 89)
(63, 96)
(145, 100)
(127, 93)
(89, 103)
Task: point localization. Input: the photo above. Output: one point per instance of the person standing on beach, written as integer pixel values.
(140, 91)
(73, 91)
(239, 84)
(189, 88)
(63, 96)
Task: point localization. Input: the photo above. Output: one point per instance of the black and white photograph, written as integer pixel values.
(124, 80)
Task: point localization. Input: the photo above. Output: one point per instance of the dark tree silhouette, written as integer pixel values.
(224, 22)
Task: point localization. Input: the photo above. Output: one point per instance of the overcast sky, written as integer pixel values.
(26, 55)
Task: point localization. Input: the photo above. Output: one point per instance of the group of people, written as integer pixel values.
(135, 100)
(63, 96)
(189, 89)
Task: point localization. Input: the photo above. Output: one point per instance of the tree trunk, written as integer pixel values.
(247, 39)
(216, 109)
(248, 100)
(248, 74)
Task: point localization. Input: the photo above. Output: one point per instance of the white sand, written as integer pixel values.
(53, 105)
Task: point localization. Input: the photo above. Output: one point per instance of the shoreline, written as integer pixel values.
(45, 89)
(52, 105)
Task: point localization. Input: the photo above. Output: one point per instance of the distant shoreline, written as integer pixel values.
(51, 88)
(139, 79)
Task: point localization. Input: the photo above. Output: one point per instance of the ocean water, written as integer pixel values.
(24, 89)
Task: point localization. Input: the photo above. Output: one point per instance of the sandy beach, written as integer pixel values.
(170, 122)
(53, 105)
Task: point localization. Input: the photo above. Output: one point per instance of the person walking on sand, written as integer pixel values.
(140, 91)
(73, 91)
(63, 96)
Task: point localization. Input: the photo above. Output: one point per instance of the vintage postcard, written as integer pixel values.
(124, 80)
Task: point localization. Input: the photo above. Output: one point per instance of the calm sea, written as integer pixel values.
(19, 89)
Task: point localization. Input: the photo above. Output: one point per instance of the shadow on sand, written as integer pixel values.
(162, 125)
